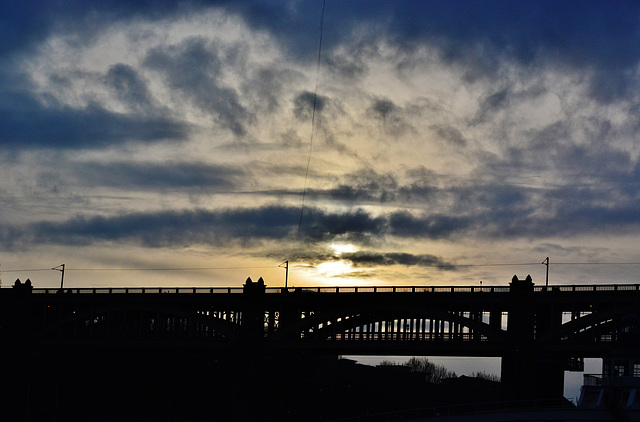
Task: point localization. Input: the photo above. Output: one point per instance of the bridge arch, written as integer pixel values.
(408, 322)
(593, 325)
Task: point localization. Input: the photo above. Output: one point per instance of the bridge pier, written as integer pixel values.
(526, 372)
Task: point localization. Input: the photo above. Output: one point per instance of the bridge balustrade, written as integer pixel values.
(142, 290)
(342, 289)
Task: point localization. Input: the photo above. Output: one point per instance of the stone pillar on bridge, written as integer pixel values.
(528, 374)
(249, 353)
(253, 312)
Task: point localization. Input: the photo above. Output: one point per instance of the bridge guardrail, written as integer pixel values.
(341, 289)
(588, 288)
(140, 290)
(390, 289)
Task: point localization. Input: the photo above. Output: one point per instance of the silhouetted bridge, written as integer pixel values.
(538, 331)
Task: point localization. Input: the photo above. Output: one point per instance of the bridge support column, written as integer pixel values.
(527, 373)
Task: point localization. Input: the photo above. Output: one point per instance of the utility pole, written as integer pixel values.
(546, 262)
(61, 269)
(285, 265)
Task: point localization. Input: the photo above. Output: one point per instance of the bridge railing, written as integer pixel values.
(401, 336)
(588, 288)
(343, 289)
(390, 289)
(139, 290)
(320, 289)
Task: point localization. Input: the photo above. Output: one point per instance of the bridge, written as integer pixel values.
(537, 331)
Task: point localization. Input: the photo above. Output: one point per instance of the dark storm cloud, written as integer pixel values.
(365, 259)
(478, 35)
(569, 220)
(170, 228)
(193, 68)
(364, 185)
(180, 228)
(160, 176)
(24, 24)
(253, 225)
(371, 259)
(584, 35)
(579, 34)
(26, 121)
(437, 226)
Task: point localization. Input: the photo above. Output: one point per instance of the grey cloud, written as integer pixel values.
(364, 259)
(491, 104)
(27, 122)
(368, 259)
(129, 86)
(383, 108)
(305, 102)
(26, 23)
(394, 118)
(253, 225)
(573, 34)
(349, 67)
(364, 185)
(437, 226)
(554, 147)
(133, 176)
(180, 228)
(193, 68)
(571, 221)
(266, 86)
(450, 134)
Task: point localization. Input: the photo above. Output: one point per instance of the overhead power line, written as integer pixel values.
(506, 264)
(497, 264)
(14, 270)
(313, 116)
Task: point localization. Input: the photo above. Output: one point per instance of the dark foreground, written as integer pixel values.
(188, 385)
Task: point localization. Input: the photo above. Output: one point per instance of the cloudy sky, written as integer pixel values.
(198, 143)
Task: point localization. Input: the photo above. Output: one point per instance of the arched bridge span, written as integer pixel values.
(525, 325)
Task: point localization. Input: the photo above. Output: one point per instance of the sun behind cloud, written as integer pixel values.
(340, 248)
(334, 269)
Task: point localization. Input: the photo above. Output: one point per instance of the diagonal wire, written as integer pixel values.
(313, 116)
